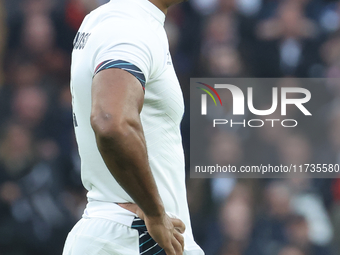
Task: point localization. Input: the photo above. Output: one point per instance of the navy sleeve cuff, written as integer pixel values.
(121, 64)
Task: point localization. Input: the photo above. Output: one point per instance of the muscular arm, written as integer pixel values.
(117, 100)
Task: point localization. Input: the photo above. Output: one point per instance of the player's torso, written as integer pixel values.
(163, 103)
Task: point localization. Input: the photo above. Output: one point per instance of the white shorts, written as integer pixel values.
(108, 229)
(96, 236)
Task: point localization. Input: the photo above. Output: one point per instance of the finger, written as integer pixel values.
(177, 246)
(179, 238)
(169, 250)
(178, 225)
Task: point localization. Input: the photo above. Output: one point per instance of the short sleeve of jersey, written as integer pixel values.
(124, 46)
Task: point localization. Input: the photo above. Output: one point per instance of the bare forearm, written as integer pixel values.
(125, 155)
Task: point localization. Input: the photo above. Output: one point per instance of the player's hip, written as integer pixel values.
(98, 236)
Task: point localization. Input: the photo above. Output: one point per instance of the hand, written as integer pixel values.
(166, 231)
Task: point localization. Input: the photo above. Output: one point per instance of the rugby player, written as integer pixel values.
(128, 106)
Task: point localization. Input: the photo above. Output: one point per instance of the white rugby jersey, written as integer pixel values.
(129, 34)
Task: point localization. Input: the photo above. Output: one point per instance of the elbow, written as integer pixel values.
(107, 127)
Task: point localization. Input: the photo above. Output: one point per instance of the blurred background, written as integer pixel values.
(41, 195)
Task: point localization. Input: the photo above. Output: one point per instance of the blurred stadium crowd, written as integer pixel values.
(41, 195)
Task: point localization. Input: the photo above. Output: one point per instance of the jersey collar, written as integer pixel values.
(154, 11)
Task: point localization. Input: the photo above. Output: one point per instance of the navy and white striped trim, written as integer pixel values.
(121, 64)
(147, 246)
